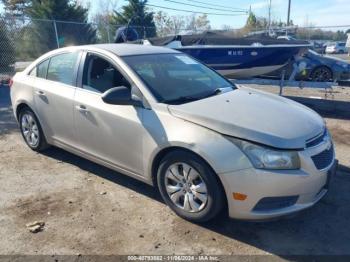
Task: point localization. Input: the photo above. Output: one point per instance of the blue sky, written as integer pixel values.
(317, 12)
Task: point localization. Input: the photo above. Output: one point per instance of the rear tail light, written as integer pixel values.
(10, 82)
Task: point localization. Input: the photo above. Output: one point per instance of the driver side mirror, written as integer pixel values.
(120, 95)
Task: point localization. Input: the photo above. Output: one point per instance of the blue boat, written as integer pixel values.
(235, 57)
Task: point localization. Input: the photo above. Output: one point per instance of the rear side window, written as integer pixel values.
(41, 69)
(61, 68)
(33, 72)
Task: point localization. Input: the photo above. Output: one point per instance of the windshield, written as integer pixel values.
(177, 78)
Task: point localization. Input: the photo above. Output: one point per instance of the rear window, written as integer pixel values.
(341, 44)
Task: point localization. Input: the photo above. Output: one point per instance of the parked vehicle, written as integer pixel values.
(319, 68)
(4, 81)
(336, 48)
(235, 57)
(164, 118)
(318, 47)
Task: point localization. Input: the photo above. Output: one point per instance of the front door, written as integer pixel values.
(112, 133)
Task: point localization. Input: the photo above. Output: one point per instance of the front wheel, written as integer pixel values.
(321, 74)
(190, 187)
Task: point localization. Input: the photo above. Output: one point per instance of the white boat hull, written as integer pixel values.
(249, 72)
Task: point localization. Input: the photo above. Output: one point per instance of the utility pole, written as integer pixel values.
(56, 34)
(269, 16)
(108, 35)
(288, 17)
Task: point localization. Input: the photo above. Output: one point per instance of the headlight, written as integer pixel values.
(267, 158)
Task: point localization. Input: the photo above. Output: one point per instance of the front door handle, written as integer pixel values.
(82, 109)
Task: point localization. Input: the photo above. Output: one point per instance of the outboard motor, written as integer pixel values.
(125, 34)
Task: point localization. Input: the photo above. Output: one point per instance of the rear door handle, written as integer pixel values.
(82, 109)
(40, 93)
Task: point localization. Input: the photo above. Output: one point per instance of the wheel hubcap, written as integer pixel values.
(30, 130)
(185, 187)
(322, 75)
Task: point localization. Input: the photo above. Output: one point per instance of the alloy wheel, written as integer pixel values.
(322, 74)
(185, 187)
(30, 129)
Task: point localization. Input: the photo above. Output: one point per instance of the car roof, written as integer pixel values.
(117, 49)
(129, 49)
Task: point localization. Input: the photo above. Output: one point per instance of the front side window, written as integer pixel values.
(100, 75)
(62, 68)
(177, 78)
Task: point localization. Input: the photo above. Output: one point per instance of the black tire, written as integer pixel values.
(216, 198)
(41, 144)
(341, 51)
(321, 74)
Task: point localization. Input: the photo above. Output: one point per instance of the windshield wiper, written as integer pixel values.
(181, 99)
(214, 93)
(218, 90)
(186, 99)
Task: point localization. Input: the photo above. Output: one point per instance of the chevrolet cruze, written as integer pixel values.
(162, 117)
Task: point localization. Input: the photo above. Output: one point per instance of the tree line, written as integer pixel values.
(308, 31)
(27, 29)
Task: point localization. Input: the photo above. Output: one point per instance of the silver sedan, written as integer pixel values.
(166, 119)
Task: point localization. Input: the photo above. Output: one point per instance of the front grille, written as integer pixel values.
(323, 159)
(273, 203)
(318, 140)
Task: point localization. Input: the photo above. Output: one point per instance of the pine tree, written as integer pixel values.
(15, 7)
(251, 20)
(75, 33)
(136, 14)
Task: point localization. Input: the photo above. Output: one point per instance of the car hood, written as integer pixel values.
(254, 115)
(326, 59)
(331, 59)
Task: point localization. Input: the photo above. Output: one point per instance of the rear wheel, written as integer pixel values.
(31, 130)
(341, 51)
(190, 187)
(321, 74)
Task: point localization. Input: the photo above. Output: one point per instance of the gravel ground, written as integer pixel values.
(89, 209)
(335, 93)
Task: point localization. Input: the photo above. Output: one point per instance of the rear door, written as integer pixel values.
(54, 93)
